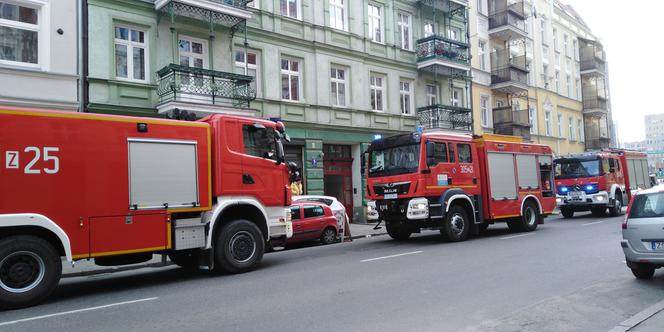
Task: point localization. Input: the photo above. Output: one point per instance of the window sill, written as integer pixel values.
(375, 42)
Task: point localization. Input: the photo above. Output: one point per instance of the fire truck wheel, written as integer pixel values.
(187, 259)
(529, 219)
(30, 269)
(239, 246)
(616, 209)
(567, 212)
(397, 232)
(456, 224)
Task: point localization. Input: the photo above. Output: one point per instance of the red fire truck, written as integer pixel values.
(459, 184)
(119, 189)
(599, 180)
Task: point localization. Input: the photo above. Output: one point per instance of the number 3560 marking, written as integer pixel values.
(45, 154)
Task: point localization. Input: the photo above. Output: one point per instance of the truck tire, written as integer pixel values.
(567, 212)
(400, 233)
(643, 271)
(328, 236)
(616, 209)
(529, 219)
(187, 259)
(239, 246)
(30, 269)
(456, 224)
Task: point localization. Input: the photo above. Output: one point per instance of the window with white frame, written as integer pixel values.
(579, 124)
(565, 45)
(290, 79)
(557, 81)
(453, 33)
(555, 39)
(569, 85)
(578, 88)
(130, 53)
(403, 23)
(532, 119)
(572, 133)
(338, 86)
(481, 47)
(545, 53)
(246, 63)
(457, 97)
(432, 94)
(428, 29)
(545, 75)
(548, 127)
(290, 8)
(406, 96)
(481, 7)
(375, 23)
(376, 88)
(254, 4)
(20, 25)
(575, 50)
(560, 125)
(485, 111)
(557, 59)
(338, 14)
(543, 30)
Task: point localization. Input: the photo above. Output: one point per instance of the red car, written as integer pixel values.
(313, 220)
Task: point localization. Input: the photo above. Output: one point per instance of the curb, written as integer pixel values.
(114, 269)
(639, 317)
(366, 236)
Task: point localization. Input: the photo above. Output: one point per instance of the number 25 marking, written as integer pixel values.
(56, 161)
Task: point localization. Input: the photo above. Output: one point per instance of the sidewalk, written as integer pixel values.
(649, 320)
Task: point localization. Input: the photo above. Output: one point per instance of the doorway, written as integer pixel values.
(338, 175)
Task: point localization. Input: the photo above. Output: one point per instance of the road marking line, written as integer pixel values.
(75, 311)
(593, 223)
(391, 256)
(514, 236)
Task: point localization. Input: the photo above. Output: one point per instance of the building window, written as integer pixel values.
(428, 29)
(19, 34)
(131, 53)
(557, 78)
(290, 8)
(337, 14)
(482, 54)
(290, 79)
(579, 123)
(403, 22)
(376, 91)
(532, 119)
(565, 45)
(432, 94)
(574, 50)
(545, 53)
(480, 7)
(555, 39)
(557, 59)
(545, 75)
(543, 30)
(569, 85)
(578, 89)
(338, 86)
(547, 123)
(406, 97)
(560, 125)
(254, 4)
(247, 64)
(375, 23)
(453, 34)
(485, 111)
(457, 97)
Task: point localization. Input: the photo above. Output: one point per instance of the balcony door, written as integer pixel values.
(194, 53)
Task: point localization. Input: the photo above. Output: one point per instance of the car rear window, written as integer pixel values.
(313, 211)
(648, 206)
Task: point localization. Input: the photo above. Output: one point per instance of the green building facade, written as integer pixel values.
(337, 72)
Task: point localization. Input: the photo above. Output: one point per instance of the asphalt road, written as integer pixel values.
(569, 275)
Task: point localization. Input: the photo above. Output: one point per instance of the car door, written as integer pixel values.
(313, 221)
(296, 218)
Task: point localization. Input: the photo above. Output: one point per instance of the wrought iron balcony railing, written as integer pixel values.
(438, 47)
(594, 98)
(190, 84)
(504, 58)
(598, 143)
(445, 117)
(592, 58)
(504, 15)
(507, 115)
(212, 11)
(509, 74)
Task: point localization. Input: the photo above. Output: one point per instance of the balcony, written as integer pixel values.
(594, 100)
(442, 55)
(509, 73)
(507, 21)
(445, 5)
(203, 90)
(445, 117)
(592, 58)
(222, 12)
(507, 121)
(596, 132)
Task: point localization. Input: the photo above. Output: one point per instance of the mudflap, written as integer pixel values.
(206, 259)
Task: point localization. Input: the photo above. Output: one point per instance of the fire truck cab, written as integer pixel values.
(599, 180)
(459, 184)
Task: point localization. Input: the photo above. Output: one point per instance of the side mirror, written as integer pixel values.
(287, 138)
(430, 153)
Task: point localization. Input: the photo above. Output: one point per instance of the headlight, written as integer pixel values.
(370, 208)
(600, 198)
(558, 200)
(418, 208)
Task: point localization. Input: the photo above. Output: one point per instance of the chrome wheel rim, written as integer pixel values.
(21, 271)
(529, 214)
(242, 246)
(457, 224)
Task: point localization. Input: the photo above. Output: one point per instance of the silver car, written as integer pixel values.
(643, 232)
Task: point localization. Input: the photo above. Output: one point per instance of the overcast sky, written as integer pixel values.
(631, 32)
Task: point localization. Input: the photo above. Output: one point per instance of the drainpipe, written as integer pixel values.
(83, 65)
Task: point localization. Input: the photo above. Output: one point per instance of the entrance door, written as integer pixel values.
(194, 53)
(338, 174)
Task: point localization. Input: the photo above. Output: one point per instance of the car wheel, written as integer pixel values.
(239, 246)
(397, 232)
(329, 236)
(30, 269)
(643, 271)
(456, 224)
(616, 209)
(567, 212)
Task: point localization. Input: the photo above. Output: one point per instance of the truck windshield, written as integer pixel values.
(394, 160)
(576, 168)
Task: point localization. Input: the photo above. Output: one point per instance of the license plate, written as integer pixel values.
(657, 245)
(390, 196)
(575, 194)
